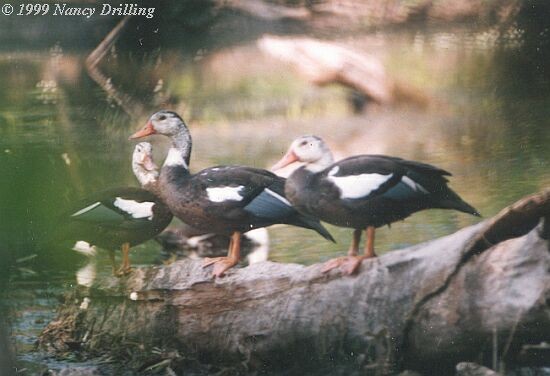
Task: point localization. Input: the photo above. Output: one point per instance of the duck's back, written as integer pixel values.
(116, 216)
(372, 190)
(225, 199)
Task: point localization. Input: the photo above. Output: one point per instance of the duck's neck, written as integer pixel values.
(180, 152)
(152, 187)
(175, 159)
(299, 181)
(319, 165)
(147, 179)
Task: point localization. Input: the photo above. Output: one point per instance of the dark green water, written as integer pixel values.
(62, 138)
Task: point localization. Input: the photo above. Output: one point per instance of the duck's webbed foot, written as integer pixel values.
(221, 264)
(125, 267)
(124, 270)
(347, 264)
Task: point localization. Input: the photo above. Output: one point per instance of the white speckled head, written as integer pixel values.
(143, 155)
(163, 122)
(169, 123)
(311, 150)
(145, 170)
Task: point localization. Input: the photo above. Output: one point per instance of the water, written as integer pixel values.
(62, 137)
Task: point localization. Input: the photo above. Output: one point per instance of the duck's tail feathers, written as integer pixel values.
(454, 201)
(313, 224)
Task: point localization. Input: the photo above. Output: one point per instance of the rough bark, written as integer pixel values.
(427, 307)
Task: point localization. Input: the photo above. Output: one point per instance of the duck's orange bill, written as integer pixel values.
(288, 158)
(145, 131)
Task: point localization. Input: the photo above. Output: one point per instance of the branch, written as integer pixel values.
(92, 66)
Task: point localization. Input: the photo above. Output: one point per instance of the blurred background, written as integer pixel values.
(462, 85)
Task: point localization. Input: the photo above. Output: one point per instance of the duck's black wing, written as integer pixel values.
(256, 192)
(118, 207)
(370, 177)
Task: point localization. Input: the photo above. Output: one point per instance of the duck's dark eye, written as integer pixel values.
(162, 117)
(303, 143)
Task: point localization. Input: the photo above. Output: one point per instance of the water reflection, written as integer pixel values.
(63, 139)
(61, 136)
(86, 275)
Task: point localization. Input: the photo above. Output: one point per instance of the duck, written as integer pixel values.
(120, 218)
(362, 192)
(226, 200)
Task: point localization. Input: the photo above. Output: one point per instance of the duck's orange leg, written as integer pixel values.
(353, 263)
(222, 264)
(350, 262)
(354, 247)
(369, 243)
(211, 260)
(125, 268)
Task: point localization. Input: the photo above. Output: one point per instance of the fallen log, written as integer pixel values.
(323, 63)
(481, 291)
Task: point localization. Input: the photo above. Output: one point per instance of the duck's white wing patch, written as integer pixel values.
(334, 171)
(414, 185)
(221, 194)
(134, 208)
(86, 209)
(357, 186)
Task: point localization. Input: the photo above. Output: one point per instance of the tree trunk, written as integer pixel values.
(480, 294)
